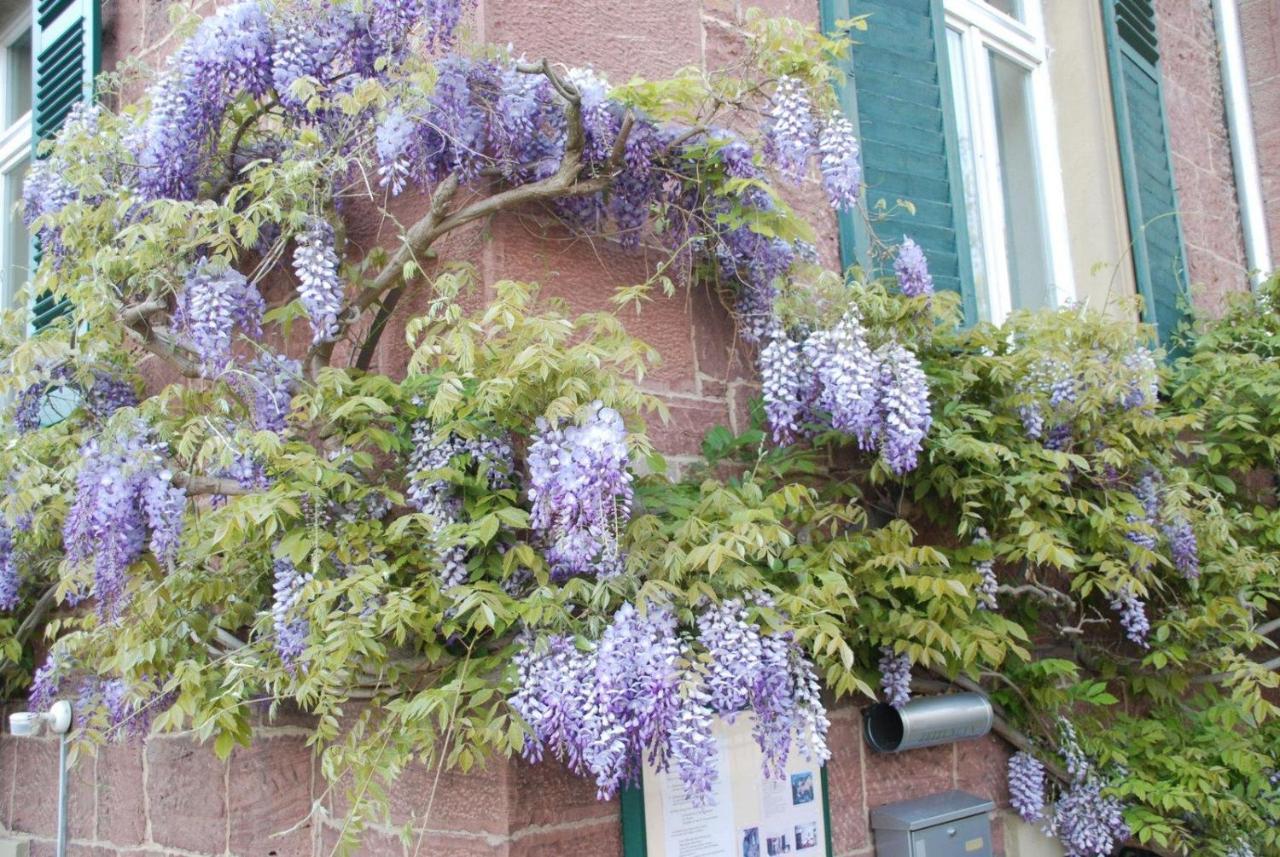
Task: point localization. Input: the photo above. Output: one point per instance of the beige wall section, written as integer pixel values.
(1091, 179)
(1027, 840)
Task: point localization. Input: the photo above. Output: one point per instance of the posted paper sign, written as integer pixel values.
(749, 816)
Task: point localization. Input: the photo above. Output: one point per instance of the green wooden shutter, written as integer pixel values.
(66, 39)
(1155, 228)
(907, 123)
(853, 233)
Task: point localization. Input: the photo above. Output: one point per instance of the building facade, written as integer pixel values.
(1041, 151)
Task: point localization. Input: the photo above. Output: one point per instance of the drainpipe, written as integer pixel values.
(1244, 151)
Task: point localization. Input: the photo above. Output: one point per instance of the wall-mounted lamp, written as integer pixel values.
(927, 721)
(58, 720)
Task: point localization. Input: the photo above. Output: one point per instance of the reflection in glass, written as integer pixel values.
(969, 170)
(1019, 174)
(18, 78)
(1012, 8)
(18, 251)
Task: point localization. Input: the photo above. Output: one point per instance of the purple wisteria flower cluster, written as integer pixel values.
(832, 379)
(489, 455)
(1184, 550)
(128, 714)
(269, 385)
(912, 270)
(288, 614)
(794, 134)
(213, 305)
(1027, 786)
(988, 588)
(10, 583)
(315, 261)
(642, 690)
(125, 501)
(580, 489)
(895, 676)
(1133, 616)
(1086, 822)
(1054, 387)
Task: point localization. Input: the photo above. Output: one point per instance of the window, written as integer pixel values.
(1005, 129)
(15, 145)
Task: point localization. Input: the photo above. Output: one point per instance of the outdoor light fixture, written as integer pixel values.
(58, 719)
(927, 721)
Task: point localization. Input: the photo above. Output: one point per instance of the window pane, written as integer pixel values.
(17, 242)
(1019, 173)
(18, 98)
(1012, 8)
(969, 170)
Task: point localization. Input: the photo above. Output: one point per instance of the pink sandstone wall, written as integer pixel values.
(168, 797)
(1260, 21)
(1201, 150)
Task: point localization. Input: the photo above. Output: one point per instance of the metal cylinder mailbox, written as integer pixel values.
(948, 824)
(927, 721)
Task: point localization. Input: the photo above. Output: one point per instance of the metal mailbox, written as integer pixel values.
(948, 824)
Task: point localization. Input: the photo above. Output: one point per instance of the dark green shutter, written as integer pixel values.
(1155, 229)
(853, 233)
(66, 40)
(909, 148)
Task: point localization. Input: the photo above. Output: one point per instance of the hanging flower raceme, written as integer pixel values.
(789, 137)
(489, 455)
(895, 676)
(1133, 616)
(1087, 822)
(905, 416)
(9, 581)
(786, 385)
(1027, 786)
(580, 488)
(845, 370)
(988, 588)
(288, 613)
(320, 288)
(269, 384)
(641, 692)
(840, 160)
(214, 304)
(912, 270)
(125, 498)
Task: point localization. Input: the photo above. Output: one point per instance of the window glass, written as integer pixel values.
(1020, 179)
(18, 78)
(1012, 8)
(17, 253)
(969, 168)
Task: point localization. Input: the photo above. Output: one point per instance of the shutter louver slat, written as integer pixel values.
(900, 76)
(65, 42)
(1150, 190)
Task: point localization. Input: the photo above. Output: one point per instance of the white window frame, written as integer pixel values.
(982, 27)
(15, 149)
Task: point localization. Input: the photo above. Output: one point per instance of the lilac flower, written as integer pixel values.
(1183, 547)
(895, 677)
(840, 160)
(288, 614)
(1026, 786)
(912, 269)
(789, 137)
(1133, 616)
(27, 409)
(10, 583)
(321, 289)
(904, 407)
(846, 372)
(1087, 823)
(212, 306)
(394, 144)
(580, 488)
(108, 394)
(786, 384)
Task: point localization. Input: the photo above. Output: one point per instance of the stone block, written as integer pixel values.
(35, 800)
(122, 810)
(549, 793)
(650, 39)
(474, 802)
(269, 793)
(893, 777)
(982, 768)
(186, 795)
(599, 839)
(372, 844)
(849, 830)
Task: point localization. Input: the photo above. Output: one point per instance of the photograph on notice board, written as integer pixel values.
(751, 842)
(780, 844)
(806, 836)
(802, 788)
